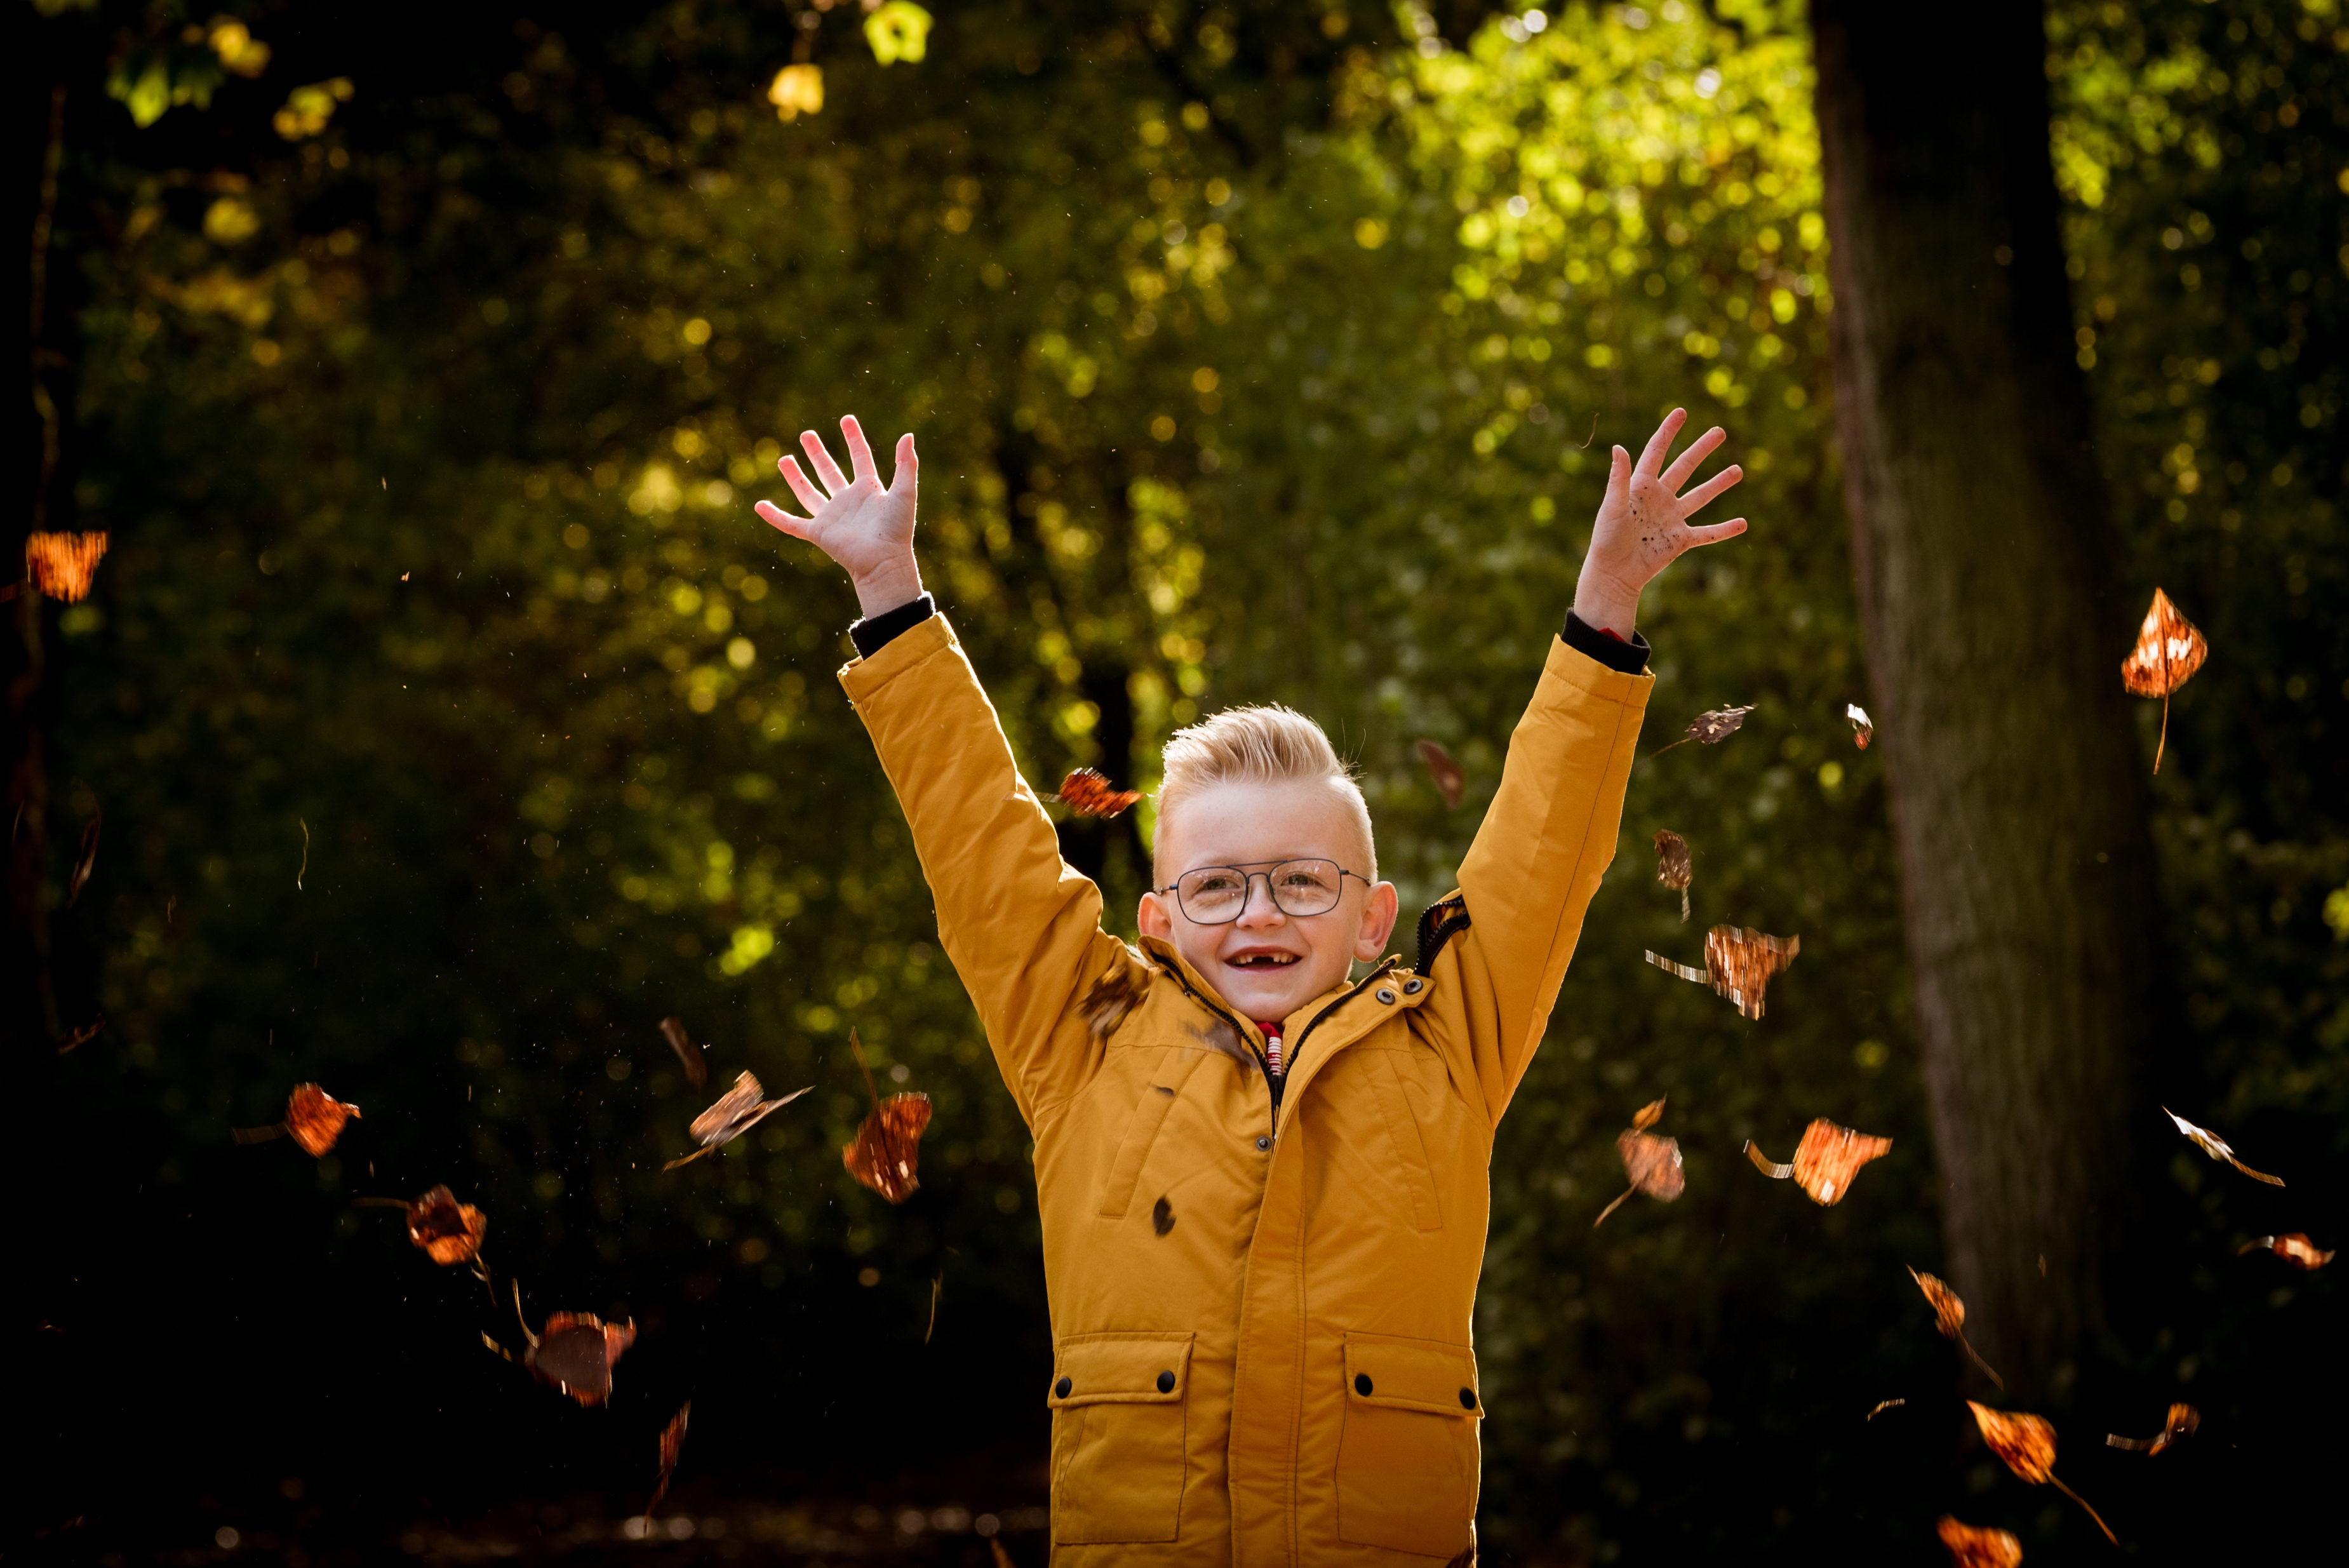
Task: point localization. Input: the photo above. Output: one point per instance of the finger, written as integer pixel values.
(1715, 533)
(1693, 501)
(860, 453)
(825, 469)
(1686, 463)
(908, 467)
(1619, 478)
(1652, 458)
(775, 517)
(810, 496)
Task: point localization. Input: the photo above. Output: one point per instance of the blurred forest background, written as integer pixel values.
(452, 721)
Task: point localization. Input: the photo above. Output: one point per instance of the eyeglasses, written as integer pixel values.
(1218, 895)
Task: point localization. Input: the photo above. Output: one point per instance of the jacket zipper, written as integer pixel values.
(1272, 1083)
(1296, 1054)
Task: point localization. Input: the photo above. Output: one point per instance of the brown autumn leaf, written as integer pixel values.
(1710, 728)
(576, 1354)
(313, 1118)
(697, 1066)
(1088, 793)
(83, 1035)
(1674, 866)
(2293, 1247)
(1002, 1558)
(2168, 651)
(2214, 1146)
(87, 862)
(672, 1443)
(1950, 1317)
(2179, 1425)
(1451, 779)
(1112, 997)
(1978, 1546)
(1738, 964)
(736, 1112)
(63, 566)
(1863, 728)
(2027, 1444)
(1652, 1163)
(1825, 1162)
(449, 1231)
(1884, 1405)
(888, 1146)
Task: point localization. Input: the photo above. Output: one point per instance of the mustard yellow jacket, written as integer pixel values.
(1260, 1312)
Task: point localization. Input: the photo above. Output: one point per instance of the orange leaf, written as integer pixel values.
(2293, 1247)
(62, 566)
(447, 1231)
(672, 1443)
(1950, 1317)
(1863, 728)
(1086, 793)
(2180, 1425)
(888, 1145)
(736, 1112)
(1652, 1163)
(1738, 964)
(576, 1354)
(2168, 651)
(2027, 1444)
(1674, 866)
(316, 1118)
(697, 1067)
(1825, 1162)
(2214, 1146)
(1451, 779)
(1978, 1546)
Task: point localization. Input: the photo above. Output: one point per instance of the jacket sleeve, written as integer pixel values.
(1021, 928)
(1506, 935)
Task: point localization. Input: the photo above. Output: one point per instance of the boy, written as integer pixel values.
(1262, 1183)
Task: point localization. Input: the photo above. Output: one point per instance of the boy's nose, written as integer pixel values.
(1260, 909)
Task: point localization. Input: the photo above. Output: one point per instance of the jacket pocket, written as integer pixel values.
(1407, 1461)
(1118, 1461)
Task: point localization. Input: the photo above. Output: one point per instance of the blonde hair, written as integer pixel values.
(1260, 746)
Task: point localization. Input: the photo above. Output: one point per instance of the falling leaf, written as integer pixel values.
(736, 1112)
(449, 1231)
(313, 1118)
(63, 566)
(696, 1069)
(2027, 1444)
(2168, 651)
(672, 1443)
(1825, 1162)
(996, 1551)
(2293, 1247)
(1674, 866)
(2180, 1425)
(1112, 996)
(1950, 1317)
(2216, 1147)
(87, 862)
(1710, 728)
(1086, 793)
(1738, 964)
(83, 1035)
(938, 1287)
(1978, 1546)
(1884, 1405)
(574, 1354)
(888, 1145)
(1863, 728)
(1450, 778)
(1652, 1163)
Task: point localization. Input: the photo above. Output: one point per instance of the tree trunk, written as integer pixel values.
(1983, 544)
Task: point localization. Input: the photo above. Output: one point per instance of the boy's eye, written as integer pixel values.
(1214, 884)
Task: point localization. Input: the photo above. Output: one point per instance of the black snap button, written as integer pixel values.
(1363, 1385)
(1262, 1144)
(1383, 994)
(1467, 1398)
(1166, 1383)
(1062, 1387)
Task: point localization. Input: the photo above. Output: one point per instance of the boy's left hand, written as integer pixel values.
(1644, 523)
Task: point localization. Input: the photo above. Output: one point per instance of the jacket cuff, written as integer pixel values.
(1630, 658)
(875, 633)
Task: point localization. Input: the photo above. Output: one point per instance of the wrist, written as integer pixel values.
(1607, 607)
(884, 588)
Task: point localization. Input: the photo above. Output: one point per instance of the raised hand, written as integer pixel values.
(866, 526)
(1644, 523)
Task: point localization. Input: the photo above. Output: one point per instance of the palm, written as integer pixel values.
(1644, 523)
(865, 525)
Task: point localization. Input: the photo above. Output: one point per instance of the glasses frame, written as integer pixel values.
(1249, 871)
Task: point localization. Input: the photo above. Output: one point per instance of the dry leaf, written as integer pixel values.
(1978, 1546)
(1086, 793)
(672, 1443)
(2168, 651)
(63, 566)
(1738, 964)
(2180, 1425)
(1674, 866)
(1825, 1162)
(1950, 1317)
(888, 1145)
(736, 1112)
(2293, 1247)
(574, 1355)
(313, 1118)
(83, 1035)
(1652, 1163)
(1710, 728)
(447, 1231)
(1863, 728)
(1884, 1405)
(2216, 1147)
(996, 1549)
(1112, 996)
(1451, 779)
(697, 1067)
(2027, 1444)
(87, 862)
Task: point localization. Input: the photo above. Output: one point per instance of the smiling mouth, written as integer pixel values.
(1263, 960)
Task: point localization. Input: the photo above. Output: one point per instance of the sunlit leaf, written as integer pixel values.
(2214, 1146)
(2027, 1445)
(1825, 1162)
(2168, 651)
(2178, 1425)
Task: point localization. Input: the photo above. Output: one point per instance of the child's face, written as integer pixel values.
(1268, 962)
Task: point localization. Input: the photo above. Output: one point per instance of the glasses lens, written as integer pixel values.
(1212, 894)
(1305, 887)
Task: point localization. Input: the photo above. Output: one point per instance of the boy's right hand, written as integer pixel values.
(865, 525)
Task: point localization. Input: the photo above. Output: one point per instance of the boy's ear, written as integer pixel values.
(1379, 912)
(1152, 919)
